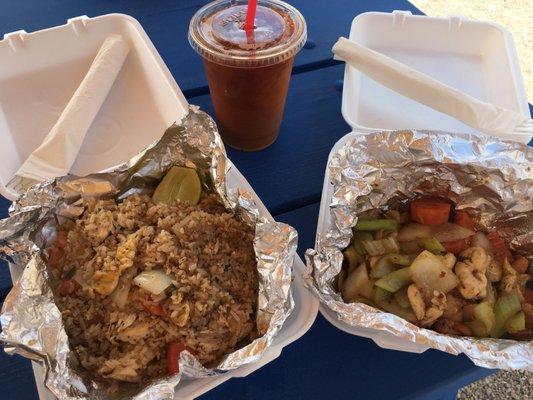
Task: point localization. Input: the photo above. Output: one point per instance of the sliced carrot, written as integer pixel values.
(528, 295)
(428, 211)
(154, 308)
(456, 246)
(67, 287)
(462, 218)
(499, 248)
(174, 350)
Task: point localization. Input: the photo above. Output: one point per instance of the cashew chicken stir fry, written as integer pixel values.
(433, 266)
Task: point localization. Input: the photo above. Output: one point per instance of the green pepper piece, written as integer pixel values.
(376, 225)
(395, 280)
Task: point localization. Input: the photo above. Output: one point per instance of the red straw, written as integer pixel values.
(250, 16)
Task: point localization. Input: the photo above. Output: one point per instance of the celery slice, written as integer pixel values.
(181, 184)
(516, 323)
(430, 244)
(385, 264)
(395, 280)
(376, 224)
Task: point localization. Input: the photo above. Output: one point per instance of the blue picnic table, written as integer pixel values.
(288, 176)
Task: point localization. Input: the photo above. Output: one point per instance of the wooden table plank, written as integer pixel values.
(167, 21)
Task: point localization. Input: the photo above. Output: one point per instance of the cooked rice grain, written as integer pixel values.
(114, 326)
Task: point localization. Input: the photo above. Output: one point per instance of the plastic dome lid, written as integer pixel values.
(217, 33)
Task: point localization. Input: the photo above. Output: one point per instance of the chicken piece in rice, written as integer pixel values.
(120, 330)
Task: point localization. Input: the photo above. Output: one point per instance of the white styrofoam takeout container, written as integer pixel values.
(478, 58)
(39, 73)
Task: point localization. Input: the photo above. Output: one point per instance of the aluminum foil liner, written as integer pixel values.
(386, 169)
(31, 322)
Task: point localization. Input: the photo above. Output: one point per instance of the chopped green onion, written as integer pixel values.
(376, 225)
(395, 280)
(381, 246)
(516, 323)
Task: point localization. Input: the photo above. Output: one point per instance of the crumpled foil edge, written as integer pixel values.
(31, 322)
(371, 169)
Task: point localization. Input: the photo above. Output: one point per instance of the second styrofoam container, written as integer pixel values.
(39, 73)
(475, 57)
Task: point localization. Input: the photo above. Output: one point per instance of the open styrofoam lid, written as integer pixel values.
(477, 58)
(41, 70)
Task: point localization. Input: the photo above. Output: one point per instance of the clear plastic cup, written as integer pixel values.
(248, 72)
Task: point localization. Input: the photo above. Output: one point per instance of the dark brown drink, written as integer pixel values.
(248, 72)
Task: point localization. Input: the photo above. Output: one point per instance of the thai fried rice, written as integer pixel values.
(121, 331)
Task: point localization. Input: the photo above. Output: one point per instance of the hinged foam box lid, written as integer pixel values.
(41, 70)
(39, 73)
(478, 58)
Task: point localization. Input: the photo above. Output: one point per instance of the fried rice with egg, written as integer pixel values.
(121, 331)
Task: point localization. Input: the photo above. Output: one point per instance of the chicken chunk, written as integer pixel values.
(454, 308)
(428, 313)
(449, 260)
(512, 280)
(471, 272)
(494, 271)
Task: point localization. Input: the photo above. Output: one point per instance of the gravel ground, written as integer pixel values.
(517, 17)
(515, 385)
